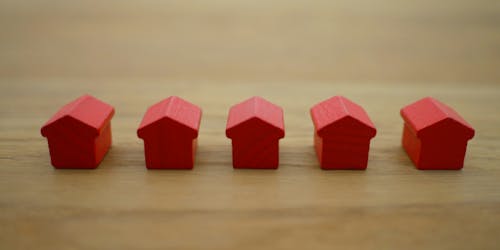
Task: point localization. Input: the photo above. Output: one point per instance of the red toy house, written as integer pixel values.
(170, 130)
(255, 127)
(79, 134)
(342, 134)
(434, 135)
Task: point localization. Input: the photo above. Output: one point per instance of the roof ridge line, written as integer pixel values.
(168, 106)
(255, 106)
(76, 104)
(441, 107)
(341, 99)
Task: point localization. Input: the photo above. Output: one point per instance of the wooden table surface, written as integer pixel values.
(381, 54)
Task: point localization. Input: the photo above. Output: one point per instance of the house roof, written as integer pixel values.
(174, 109)
(252, 109)
(339, 113)
(87, 110)
(427, 113)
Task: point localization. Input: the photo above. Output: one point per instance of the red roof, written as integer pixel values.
(256, 108)
(425, 114)
(175, 109)
(339, 113)
(87, 110)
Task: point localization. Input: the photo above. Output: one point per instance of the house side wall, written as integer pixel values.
(103, 143)
(318, 147)
(194, 148)
(411, 144)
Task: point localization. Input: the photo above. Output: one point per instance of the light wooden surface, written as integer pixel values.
(381, 55)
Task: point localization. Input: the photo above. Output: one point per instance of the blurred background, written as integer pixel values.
(228, 40)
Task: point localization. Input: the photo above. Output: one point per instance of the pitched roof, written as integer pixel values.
(427, 112)
(87, 110)
(175, 109)
(256, 108)
(340, 112)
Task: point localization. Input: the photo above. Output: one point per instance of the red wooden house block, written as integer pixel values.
(255, 127)
(79, 134)
(434, 135)
(342, 134)
(170, 131)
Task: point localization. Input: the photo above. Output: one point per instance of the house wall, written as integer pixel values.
(345, 152)
(411, 144)
(67, 150)
(442, 153)
(438, 151)
(163, 151)
(256, 153)
(102, 143)
(318, 146)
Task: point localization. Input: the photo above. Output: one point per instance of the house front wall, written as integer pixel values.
(163, 151)
(256, 152)
(345, 152)
(442, 153)
(67, 150)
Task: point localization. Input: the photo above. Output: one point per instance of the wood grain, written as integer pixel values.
(214, 54)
